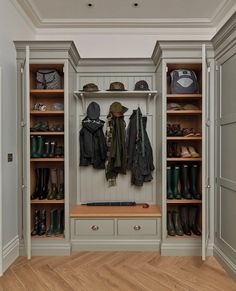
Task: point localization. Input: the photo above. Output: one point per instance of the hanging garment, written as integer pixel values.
(92, 140)
(139, 150)
(115, 139)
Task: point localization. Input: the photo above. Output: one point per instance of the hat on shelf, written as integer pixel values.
(90, 87)
(141, 85)
(117, 109)
(117, 86)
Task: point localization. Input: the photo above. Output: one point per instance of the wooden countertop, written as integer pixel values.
(115, 211)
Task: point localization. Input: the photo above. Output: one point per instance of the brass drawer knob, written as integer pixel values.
(137, 227)
(95, 227)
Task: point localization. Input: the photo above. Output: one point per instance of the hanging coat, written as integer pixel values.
(139, 150)
(92, 140)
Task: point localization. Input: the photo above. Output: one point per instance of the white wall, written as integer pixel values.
(12, 27)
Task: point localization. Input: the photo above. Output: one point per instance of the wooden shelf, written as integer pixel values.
(47, 93)
(184, 112)
(183, 97)
(47, 112)
(184, 138)
(183, 159)
(47, 159)
(47, 133)
(193, 236)
(184, 201)
(47, 201)
(113, 94)
(48, 236)
(115, 211)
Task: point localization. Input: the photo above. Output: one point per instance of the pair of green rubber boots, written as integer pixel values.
(187, 175)
(41, 148)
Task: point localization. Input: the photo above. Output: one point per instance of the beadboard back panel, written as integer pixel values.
(92, 184)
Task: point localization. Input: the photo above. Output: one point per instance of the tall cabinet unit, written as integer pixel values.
(45, 94)
(185, 159)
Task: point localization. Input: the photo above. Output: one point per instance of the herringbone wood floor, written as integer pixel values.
(124, 271)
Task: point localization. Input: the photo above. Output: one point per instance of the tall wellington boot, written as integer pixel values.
(60, 194)
(193, 182)
(175, 182)
(59, 222)
(184, 183)
(35, 231)
(54, 191)
(177, 223)
(45, 174)
(34, 145)
(170, 194)
(193, 213)
(185, 219)
(38, 184)
(46, 149)
(170, 225)
(42, 227)
(52, 149)
(51, 229)
(39, 152)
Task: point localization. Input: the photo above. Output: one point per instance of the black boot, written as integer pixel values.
(38, 184)
(60, 222)
(185, 220)
(46, 149)
(170, 194)
(184, 183)
(60, 176)
(35, 231)
(170, 225)
(175, 180)
(177, 223)
(52, 149)
(193, 213)
(51, 230)
(44, 192)
(42, 228)
(193, 182)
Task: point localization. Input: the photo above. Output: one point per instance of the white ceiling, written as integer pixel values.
(122, 13)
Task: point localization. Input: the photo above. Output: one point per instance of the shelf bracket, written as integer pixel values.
(148, 103)
(81, 97)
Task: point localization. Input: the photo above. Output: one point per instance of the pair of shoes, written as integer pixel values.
(59, 152)
(40, 107)
(40, 126)
(187, 181)
(56, 127)
(41, 183)
(57, 184)
(56, 226)
(177, 106)
(184, 222)
(39, 222)
(189, 152)
(174, 130)
(190, 132)
(173, 150)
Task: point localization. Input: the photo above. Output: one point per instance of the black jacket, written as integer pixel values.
(140, 156)
(92, 140)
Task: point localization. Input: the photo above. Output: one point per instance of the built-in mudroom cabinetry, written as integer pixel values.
(55, 187)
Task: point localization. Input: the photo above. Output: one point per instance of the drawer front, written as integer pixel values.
(137, 227)
(94, 227)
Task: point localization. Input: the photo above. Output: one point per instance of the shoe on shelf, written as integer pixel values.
(177, 131)
(193, 182)
(42, 224)
(190, 107)
(53, 223)
(193, 216)
(184, 215)
(36, 217)
(60, 222)
(37, 146)
(46, 149)
(174, 106)
(38, 184)
(59, 127)
(169, 130)
(184, 182)
(188, 132)
(52, 149)
(170, 194)
(175, 182)
(184, 152)
(176, 151)
(45, 175)
(36, 126)
(60, 176)
(177, 223)
(54, 190)
(193, 152)
(170, 153)
(170, 224)
(59, 152)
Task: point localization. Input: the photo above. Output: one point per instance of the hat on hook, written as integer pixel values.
(117, 109)
(117, 86)
(141, 85)
(90, 87)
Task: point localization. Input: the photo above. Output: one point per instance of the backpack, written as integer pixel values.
(183, 82)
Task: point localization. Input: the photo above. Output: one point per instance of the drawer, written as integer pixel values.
(94, 227)
(137, 227)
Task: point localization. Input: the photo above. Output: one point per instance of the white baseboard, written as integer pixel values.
(115, 245)
(225, 261)
(10, 252)
(56, 249)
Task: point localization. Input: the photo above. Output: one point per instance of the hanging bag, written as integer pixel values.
(183, 82)
(48, 79)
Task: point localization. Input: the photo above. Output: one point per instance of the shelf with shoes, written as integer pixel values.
(48, 201)
(183, 201)
(184, 112)
(47, 133)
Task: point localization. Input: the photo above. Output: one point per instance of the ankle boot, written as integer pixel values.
(175, 181)
(170, 225)
(51, 229)
(175, 150)
(38, 184)
(45, 174)
(193, 182)
(34, 144)
(39, 152)
(60, 222)
(46, 150)
(177, 223)
(60, 194)
(168, 179)
(184, 183)
(35, 231)
(42, 228)
(169, 150)
(193, 213)
(52, 149)
(54, 191)
(184, 215)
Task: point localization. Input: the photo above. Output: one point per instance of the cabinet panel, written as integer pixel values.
(137, 227)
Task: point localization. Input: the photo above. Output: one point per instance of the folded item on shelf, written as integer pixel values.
(190, 107)
(57, 106)
(174, 106)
